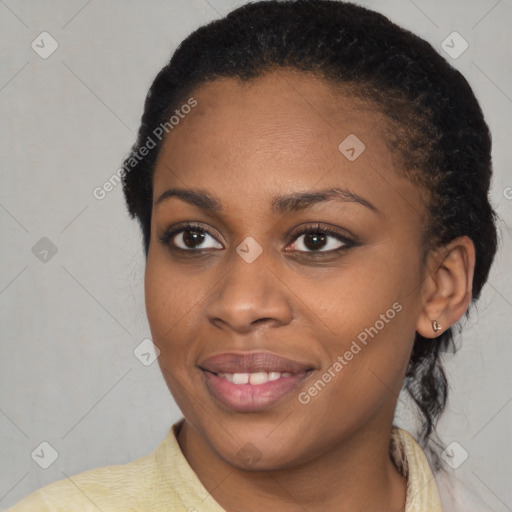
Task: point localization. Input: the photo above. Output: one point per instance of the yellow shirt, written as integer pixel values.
(163, 481)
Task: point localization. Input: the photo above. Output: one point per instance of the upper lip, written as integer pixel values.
(250, 362)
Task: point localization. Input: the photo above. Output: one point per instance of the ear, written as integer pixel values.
(447, 288)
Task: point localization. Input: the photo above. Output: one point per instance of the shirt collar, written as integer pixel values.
(422, 493)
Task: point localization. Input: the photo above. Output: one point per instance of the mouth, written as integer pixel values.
(253, 378)
(252, 382)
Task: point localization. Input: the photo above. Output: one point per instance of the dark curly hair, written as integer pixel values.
(435, 127)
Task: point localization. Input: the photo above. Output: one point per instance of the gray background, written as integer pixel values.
(70, 324)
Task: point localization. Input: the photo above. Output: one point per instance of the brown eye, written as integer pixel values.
(190, 238)
(320, 239)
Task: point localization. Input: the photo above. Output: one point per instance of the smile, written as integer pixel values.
(255, 378)
(252, 382)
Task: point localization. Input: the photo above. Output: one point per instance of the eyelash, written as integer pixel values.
(318, 228)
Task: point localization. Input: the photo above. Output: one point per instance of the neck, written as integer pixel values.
(356, 474)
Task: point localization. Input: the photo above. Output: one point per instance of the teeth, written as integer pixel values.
(258, 378)
(240, 378)
(255, 378)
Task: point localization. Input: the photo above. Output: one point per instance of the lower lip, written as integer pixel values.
(249, 397)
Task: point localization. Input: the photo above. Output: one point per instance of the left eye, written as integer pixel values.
(320, 240)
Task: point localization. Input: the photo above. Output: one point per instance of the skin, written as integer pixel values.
(244, 143)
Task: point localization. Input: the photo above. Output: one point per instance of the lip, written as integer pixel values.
(248, 362)
(249, 397)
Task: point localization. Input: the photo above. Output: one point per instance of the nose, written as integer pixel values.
(249, 296)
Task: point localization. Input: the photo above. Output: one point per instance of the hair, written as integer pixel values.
(434, 126)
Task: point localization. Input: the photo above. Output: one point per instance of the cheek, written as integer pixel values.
(371, 283)
(367, 314)
(170, 298)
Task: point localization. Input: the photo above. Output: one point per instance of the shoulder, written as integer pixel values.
(109, 489)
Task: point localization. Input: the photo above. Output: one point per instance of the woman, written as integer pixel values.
(312, 186)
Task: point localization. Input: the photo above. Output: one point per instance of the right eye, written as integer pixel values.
(187, 237)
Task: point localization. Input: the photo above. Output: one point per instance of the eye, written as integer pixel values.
(317, 239)
(320, 239)
(188, 237)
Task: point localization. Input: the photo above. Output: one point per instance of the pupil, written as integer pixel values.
(316, 237)
(193, 237)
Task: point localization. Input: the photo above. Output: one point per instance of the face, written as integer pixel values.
(285, 318)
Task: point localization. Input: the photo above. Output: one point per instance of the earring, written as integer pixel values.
(435, 326)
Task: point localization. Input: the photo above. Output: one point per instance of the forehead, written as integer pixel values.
(283, 131)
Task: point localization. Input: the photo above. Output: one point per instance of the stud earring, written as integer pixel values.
(435, 326)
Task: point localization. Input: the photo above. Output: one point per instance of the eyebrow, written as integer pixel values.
(293, 202)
